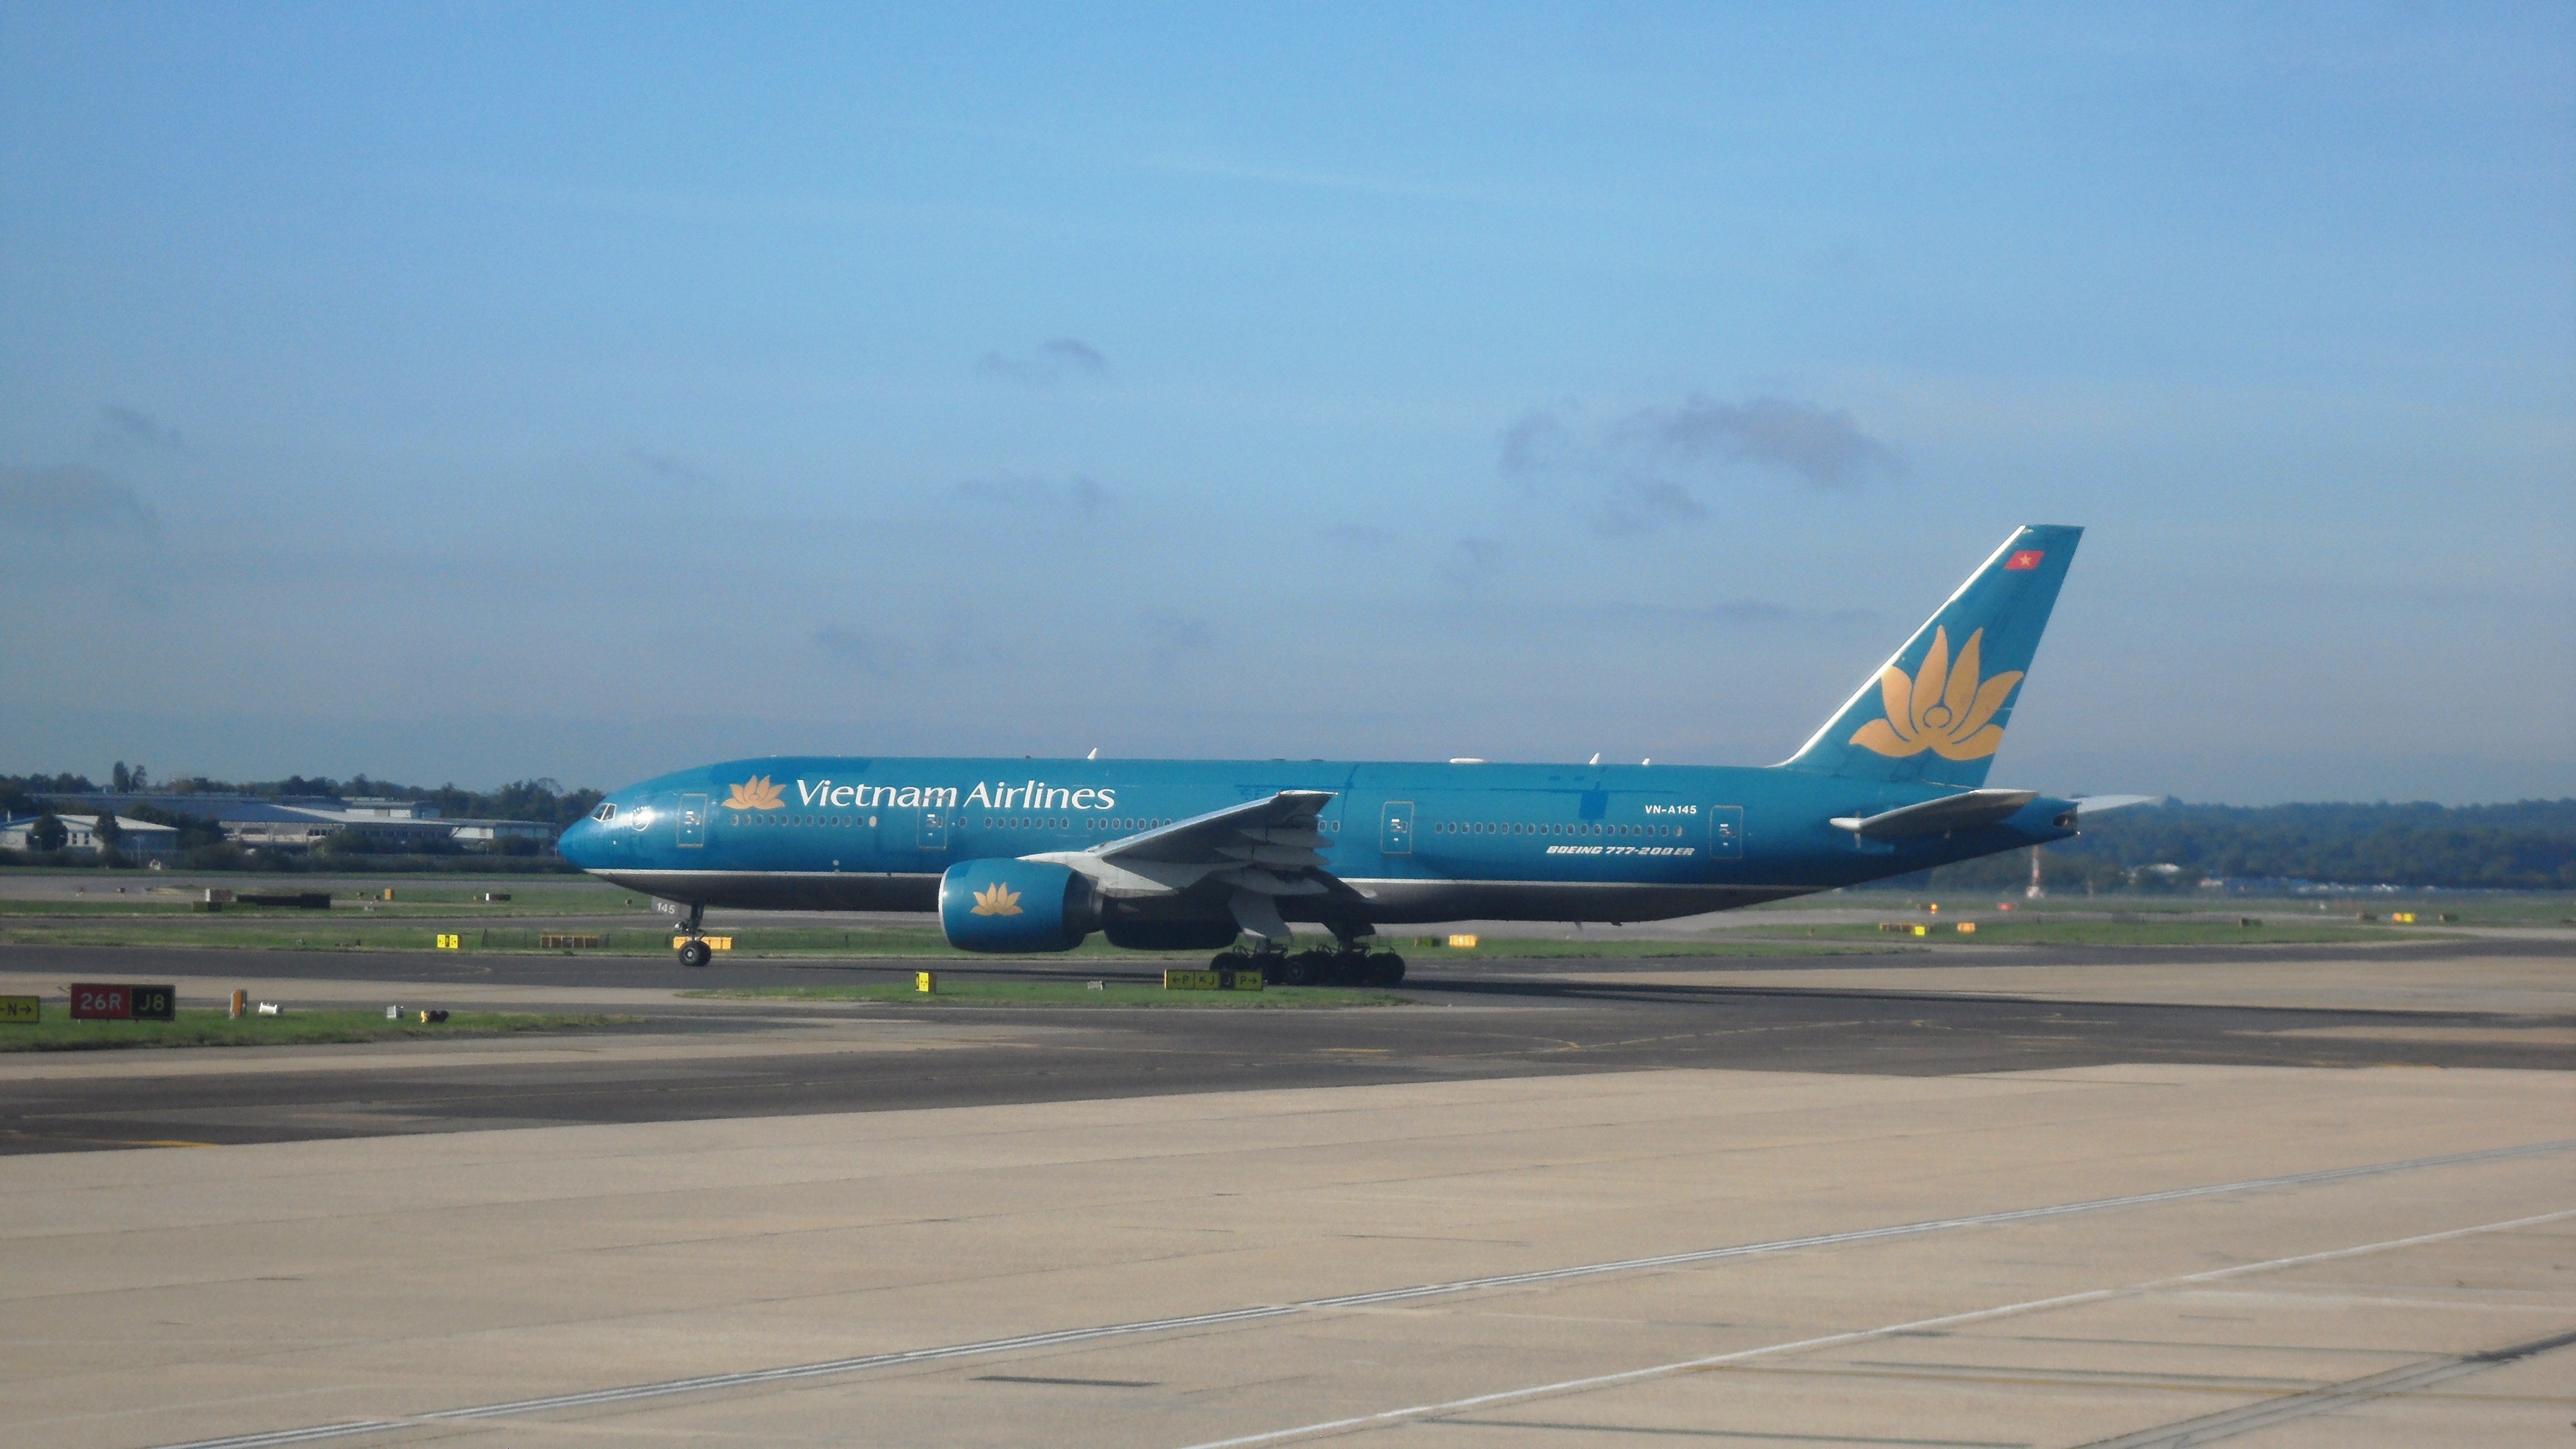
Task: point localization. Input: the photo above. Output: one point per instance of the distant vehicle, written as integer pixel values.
(1020, 856)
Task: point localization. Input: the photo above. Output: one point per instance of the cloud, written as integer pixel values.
(868, 653)
(122, 426)
(1056, 359)
(69, 500)
(1082, 497)
(1470, 561)
(677, 470)
(1169, 638)
(1638, 472)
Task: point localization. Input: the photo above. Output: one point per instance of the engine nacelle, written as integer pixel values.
(1006, 907)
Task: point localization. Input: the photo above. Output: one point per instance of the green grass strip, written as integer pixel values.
(57, 1032)
(2121, 933)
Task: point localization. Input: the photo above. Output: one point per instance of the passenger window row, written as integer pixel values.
(1488, 827)
(1008, 822)
(1025, 822)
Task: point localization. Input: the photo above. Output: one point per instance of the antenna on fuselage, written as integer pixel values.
(1596, 758)
(1095, 753)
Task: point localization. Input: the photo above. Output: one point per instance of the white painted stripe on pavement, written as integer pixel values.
(750, 1377)
(1390, 1417)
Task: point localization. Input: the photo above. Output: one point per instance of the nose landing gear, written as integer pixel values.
(694, 951)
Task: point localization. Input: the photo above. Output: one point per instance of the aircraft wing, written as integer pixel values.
(1267, 848)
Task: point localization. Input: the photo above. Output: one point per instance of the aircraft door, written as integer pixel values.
(693, 820)
(1395, 828)
(1726, 832)
(934, 829)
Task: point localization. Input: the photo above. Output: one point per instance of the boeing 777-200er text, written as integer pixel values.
(1020, 856)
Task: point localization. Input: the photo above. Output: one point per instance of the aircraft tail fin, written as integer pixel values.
(1936, 711)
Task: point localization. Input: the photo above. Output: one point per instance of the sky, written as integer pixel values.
(482, 393)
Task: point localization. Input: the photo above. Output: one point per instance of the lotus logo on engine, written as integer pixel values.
(996, 899)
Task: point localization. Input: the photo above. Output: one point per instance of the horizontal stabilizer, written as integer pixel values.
(1950, 812)
(2096, 804)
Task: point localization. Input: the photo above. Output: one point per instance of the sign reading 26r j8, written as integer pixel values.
(761, 793)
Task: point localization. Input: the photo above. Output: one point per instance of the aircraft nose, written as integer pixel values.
(577, 843)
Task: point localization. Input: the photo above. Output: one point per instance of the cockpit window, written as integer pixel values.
(607, 811)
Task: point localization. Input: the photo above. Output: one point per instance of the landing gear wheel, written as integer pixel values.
(1294, 970)
(695, 954)
(1383, 968)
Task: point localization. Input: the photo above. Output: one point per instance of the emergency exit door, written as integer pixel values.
(1395, 828)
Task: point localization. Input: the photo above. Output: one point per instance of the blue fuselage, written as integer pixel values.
(1417, 842)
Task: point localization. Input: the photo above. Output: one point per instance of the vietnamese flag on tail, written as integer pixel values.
(2027, 558)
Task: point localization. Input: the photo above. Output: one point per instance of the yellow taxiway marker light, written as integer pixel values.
(2402, 918)
(1462, 943)
(448, 942)
(925, 981)
(714, 943)
(1967, 928)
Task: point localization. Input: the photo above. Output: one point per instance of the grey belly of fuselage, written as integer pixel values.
(1394, 902)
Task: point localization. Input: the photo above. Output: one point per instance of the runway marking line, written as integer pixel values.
(706, 1383)
(2254, 1414)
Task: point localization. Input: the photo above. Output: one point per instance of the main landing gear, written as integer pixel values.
(1350, 964)
(694, 951)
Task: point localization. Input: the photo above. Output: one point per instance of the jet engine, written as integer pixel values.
(1006, 907)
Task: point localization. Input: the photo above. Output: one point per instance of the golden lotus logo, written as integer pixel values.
(755, 793)
(996, 899)
(1945, 709)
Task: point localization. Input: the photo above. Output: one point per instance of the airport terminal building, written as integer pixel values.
(137, 839)
(302, 822)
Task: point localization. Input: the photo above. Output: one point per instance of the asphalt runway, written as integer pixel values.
(694, 1059)
(1971, 1198)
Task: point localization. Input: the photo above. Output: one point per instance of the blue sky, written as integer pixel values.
(481, 393)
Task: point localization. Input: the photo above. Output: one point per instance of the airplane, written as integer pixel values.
(1018, 856)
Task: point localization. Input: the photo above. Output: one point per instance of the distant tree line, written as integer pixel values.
(2526, 845)
(202, 845)
(540, 799)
